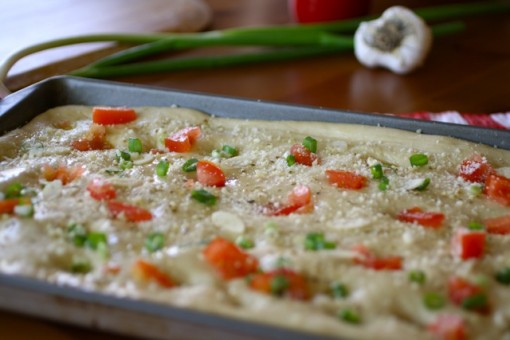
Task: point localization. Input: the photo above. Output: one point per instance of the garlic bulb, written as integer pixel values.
(399, 41)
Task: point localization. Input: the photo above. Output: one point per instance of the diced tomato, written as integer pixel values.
(145, 272)
(229, 260)
(460, 289)
(101, 190)
(302, 155)
(346, 179)
(498, 225)
(497, 188)
(95, 139)
(381, 263)
(368, 260)
(468, 244)
(131, 213)
(300, 195)
(112, 268)
(157, 151)
(423, 218)
(63, 173)
(448, 327)
(210, 174)
(299, 202)
(183, 140)
(282, 282)
(475, 169)
(7, 205)
(112, 115)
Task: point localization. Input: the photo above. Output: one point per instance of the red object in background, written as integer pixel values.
(307, 11)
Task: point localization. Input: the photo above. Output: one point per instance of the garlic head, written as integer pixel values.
(399, 40)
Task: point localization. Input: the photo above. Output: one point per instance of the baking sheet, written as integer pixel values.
(20, 107)
(147, 319)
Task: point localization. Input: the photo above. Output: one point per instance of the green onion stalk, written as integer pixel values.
(292, 41)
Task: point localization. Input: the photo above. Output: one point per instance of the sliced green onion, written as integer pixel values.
(102, 250)
(162, 168)
(113, 171)
(135, 145)
(94, 239)
(14, 190)
(77, 233)
(339, 290)
(377, 171)
(350, 316)
(475, 301)
(122, 155)
(419, 159)
(423, 186)
(474, 225)
(279, 284)
(81, 266)
(244, 242)
(154, 242)
(310, 143)
(124, 165)
(433, 300)
(417, 276)
(384, 183)
(291, 160)
(226, 151)
(316, 241)
(190, 165)
(503, 276)
(204, 197)
(476, 189)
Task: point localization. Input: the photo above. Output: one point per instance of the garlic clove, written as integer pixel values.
(399, 41)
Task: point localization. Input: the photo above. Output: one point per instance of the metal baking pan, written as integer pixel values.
(148, 319)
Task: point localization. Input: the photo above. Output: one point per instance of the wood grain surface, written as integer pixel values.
(468, 72)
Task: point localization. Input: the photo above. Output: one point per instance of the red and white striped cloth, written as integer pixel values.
(494, 120)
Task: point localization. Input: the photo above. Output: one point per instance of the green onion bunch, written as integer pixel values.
(280, 42)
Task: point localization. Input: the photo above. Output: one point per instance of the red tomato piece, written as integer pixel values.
(302, 155)
(95, 139)
(291, 284)
(145, 272)
(497, 188)
(299, 202)
(131, 213)
(7, 205)
(229, 260)
(183, 140)
(300, 195)
(498, 225)
(382, 263)
(448, 327)
(112, 115)
(475, 169)
(63, 173)
(424, 218)
(346, 179)
(306, 11)
(460, 289)
(210, 174)
(101, 190)
(468, 244)
(368, 260)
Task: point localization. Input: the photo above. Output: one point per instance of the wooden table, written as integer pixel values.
(468, 72)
